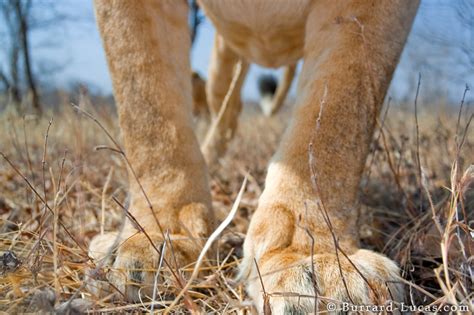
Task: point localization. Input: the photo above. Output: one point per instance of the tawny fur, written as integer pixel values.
(200, 106)
(350, 50)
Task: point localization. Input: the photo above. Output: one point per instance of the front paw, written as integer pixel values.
(292, 283)
(134, 263)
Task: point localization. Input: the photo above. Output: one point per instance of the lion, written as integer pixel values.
(272, 94)
(302, 244)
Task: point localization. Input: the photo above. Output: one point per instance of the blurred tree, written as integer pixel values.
(441, 48)
(23, 16)
(11, 80)
(18, 18)
(465, 13)
(455, 31)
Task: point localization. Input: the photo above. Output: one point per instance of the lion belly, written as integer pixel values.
(269, 33)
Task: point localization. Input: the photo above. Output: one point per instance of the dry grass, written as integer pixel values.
(55, 188)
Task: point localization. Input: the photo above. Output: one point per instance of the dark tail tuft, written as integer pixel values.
(267, 84)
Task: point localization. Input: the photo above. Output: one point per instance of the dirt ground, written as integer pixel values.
(58, 175)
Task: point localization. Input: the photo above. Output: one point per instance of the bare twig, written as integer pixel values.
(466, 89)
(40, 198)
(418, 161)
(103, 203)
(208, 244)
(217, 120)
(118, 149)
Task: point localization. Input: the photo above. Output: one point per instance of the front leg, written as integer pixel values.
(351, 50)
(147, 48)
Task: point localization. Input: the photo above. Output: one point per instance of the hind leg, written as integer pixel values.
(311, 191)
(147, 47)
(222, 70)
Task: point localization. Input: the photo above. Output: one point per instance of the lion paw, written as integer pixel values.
(133, 264)
(290, 281)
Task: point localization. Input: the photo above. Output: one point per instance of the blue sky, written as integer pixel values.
(76, 47)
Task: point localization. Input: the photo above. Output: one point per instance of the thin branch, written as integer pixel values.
(418, 136)
(208, 244)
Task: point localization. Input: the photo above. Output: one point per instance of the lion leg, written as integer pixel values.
(222, 69)
(310, 196)
(147, 47)
(200, 107)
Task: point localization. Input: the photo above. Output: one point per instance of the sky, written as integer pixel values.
(74, 51)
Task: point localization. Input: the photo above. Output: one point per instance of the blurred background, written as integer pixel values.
(50, 48)
(419, 175)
